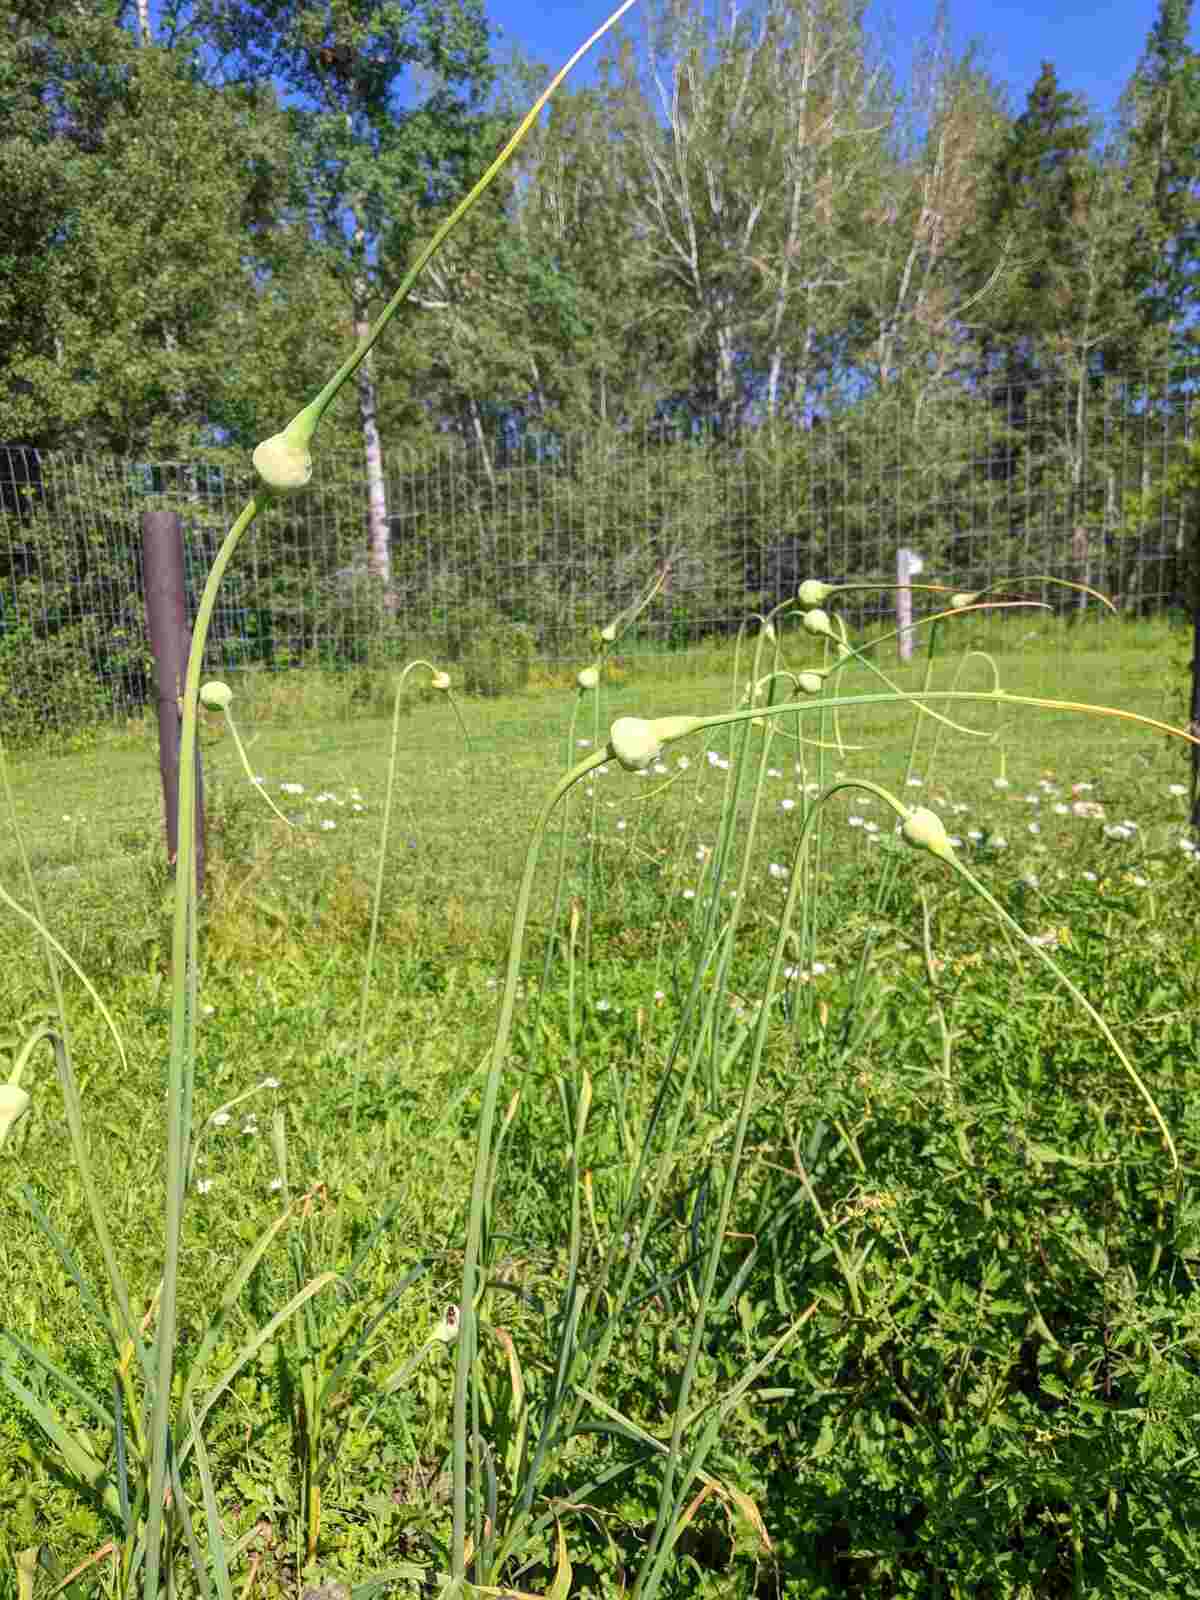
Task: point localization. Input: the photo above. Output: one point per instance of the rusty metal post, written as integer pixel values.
(170, 641)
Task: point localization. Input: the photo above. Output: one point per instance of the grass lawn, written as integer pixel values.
(948, 1174)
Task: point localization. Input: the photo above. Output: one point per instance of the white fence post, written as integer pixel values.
(909, 565)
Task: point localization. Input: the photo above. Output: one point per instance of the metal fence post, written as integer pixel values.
(170, 640)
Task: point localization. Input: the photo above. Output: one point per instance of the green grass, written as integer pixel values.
(1003, 1403)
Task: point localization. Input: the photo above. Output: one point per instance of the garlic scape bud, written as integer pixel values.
(14, 1103)
(636, 742)
(216, 696)
(925, 830)
(283, 461)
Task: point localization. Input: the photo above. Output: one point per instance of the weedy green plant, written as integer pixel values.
(590, 1317)
(150, 1501)
(521, 1450)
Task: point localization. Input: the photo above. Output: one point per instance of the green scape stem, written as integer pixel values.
(483, 1164)
(182, 946)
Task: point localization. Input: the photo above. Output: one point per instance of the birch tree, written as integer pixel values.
(385, 97)
(914, 311)
(751, 127)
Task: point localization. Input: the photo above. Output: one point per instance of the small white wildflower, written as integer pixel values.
(974, 835)
(292, 788)
(1061, 810)
(220, 1118)
(871, 827)
(358, 807)
(1090, 876)
(269, 1083)
(1128, 822)
(714, 759)
(689, 894)
(276, 1185)
(203, 1185)
(660, 767)
(1035, 827)
(1139, 882)
(915, 783)
(1000, 783)
(819, 969)
(258, 779)
(959, 809)
(777, 871)
(208, 1011)
(1032, 800)
(787, 804)
(621, 825)
(583, 744)
(955, 840)
(1081, 788)
(999, 842)
(603, 1005)
(323, 798)
(1178, 790)
(1031, 878)
(855, 822)
(328, 824)
(683, 763)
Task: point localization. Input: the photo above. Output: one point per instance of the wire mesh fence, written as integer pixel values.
(514, 552)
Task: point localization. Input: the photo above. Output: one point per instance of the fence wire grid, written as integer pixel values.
(504, 556)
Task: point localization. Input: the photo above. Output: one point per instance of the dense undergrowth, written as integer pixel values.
(997, 1392)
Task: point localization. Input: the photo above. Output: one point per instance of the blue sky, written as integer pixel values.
(1094, 44)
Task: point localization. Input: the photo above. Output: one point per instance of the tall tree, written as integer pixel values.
(750, 131)
(1161, 107)
(911, 305)
(121, 326)
(1032, 195)
(385, 98)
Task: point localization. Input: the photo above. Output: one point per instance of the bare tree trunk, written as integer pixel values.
(481, 444)
(143, 16)
(379, 553)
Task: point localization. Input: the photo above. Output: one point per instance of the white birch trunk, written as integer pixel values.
(379, 553)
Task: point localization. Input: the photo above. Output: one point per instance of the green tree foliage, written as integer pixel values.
(1162, 108)
(386, 106)
(142, 194)
(1033, 199)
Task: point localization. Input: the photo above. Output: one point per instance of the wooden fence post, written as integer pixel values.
(170, 640)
